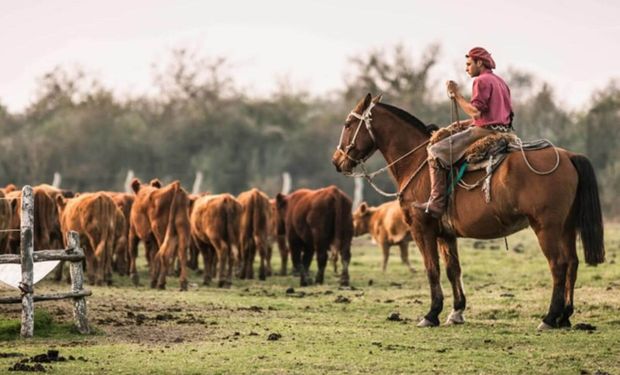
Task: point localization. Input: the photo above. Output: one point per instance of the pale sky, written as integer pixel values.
(574, 45)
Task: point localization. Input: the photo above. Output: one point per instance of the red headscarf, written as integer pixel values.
(479, 53)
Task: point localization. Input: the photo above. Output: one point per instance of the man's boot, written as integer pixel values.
(436, 204)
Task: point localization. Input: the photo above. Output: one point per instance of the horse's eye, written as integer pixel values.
(347, 123)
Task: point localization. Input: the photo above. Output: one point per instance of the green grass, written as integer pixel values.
(210, 330)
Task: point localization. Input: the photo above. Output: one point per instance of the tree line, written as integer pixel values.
(200, 120)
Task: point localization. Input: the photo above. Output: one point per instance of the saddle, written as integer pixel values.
(484, 154)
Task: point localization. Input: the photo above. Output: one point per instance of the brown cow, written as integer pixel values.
(7, 206)
(159, 217)
(387, 227)
(314, 221)
(47, 233)
(277, 234)
(54, 192)
(214, 227)
(253, 234)
(93, 216)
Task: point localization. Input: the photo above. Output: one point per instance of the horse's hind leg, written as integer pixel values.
(549, 240)
(570, 250)
(449, 253)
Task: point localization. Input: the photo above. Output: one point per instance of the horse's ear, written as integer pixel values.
(367, 101)
(363, 207)
(377, 99)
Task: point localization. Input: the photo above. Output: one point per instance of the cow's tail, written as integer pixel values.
(587, 208)
(233, 212)
(343, 221)
(104, 248)
(172, 214)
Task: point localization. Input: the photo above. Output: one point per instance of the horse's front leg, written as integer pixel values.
(426, 240)
(449, 253)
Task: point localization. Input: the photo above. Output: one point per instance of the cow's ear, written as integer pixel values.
(192, 199)
(135, 185)
(155, 183)
(9, 188)
(280, 200)
(61, 201)
(363, 207)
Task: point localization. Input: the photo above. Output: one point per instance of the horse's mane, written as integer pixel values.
(409, 118)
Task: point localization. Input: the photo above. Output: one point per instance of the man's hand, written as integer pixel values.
(452, 88)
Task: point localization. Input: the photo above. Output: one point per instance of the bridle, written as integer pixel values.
(366, 119)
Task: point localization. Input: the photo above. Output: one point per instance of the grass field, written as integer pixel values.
(322, 329)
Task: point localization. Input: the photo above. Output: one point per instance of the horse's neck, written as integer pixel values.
(396, 138)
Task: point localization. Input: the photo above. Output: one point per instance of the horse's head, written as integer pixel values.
(357, 141)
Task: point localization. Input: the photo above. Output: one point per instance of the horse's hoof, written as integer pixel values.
(544, 326)
(426, 323)
(455, 317)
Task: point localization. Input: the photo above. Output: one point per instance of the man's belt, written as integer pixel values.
(499, 127)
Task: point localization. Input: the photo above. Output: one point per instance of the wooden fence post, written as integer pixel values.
(77, 282)
(26, 249)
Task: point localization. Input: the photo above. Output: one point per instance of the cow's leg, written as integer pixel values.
(385, 250)
(283, 249)
(345, 255)
(243, 256)
(261, 247)
(296, 246)
(231, 267)
(249, 259)
(321, 261)
(90, 261)
(404, 254)
(207, 256)
(181, 253)
(306, 261)
(223, 254)
(133, 241)
(59, 270)
(449, 253)
(426, 240)
(268, 254)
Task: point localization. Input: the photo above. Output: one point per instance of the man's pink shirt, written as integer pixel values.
(491, 96)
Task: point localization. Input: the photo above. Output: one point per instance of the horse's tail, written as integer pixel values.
(589, 218)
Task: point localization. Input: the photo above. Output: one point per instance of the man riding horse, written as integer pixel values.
(490, 111)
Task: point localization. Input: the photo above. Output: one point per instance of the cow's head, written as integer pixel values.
(361, 219)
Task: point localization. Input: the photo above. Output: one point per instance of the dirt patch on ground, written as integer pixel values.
(141, 322)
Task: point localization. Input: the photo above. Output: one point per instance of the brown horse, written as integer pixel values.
(557, 206)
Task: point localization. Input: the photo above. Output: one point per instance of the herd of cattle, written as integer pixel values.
(226, 230)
